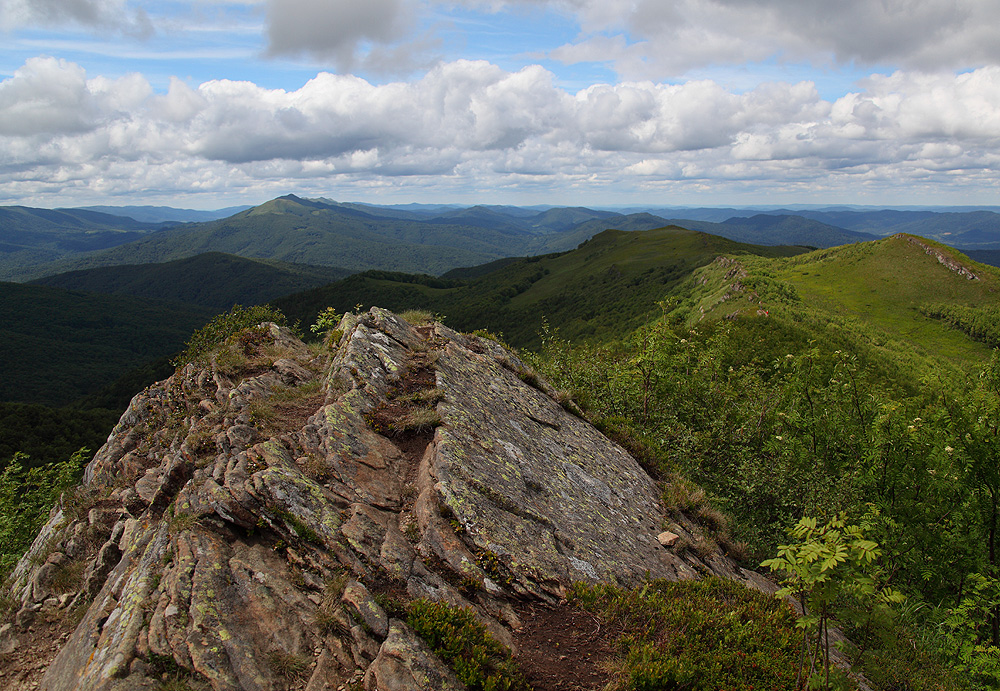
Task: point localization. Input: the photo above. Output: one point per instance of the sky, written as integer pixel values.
(211, 103)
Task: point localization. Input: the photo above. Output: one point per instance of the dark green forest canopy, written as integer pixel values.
(58, 346)
(50, 435)
(213, 280)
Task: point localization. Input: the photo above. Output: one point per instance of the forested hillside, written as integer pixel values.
(58, 345)
(213, 280)
(34, 237)
(295, 230)
(610, 284)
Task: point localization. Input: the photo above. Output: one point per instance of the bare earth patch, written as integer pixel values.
(563, 648)
(23, 667)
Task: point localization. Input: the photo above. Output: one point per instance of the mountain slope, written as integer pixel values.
(566, 218)
(874, 290)
(572, 238)
(610, 282)
(30, 237)
(59, 345)
(213, 280)
(165, 214)
(765, 229)
(296, 230)
(967, 229)
(886, 282)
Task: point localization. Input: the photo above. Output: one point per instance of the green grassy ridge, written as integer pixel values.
(783, 403)
(610, 284)
(884, 283)
(876, 292)
(213, 279)
(58, 345)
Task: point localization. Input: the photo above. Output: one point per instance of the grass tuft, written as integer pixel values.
(288, 666)
(419, 317)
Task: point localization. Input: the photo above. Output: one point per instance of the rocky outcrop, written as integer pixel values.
(247, 519)
(944, 258)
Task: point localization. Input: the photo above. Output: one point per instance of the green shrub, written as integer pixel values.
(26, 496)
(326, 320)
(698, 635)
(824, 564)
(458, 638)
(224, 328)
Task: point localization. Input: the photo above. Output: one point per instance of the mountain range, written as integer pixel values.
(501, 268)
(423, 238)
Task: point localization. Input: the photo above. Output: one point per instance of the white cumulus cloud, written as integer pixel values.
(475, 128)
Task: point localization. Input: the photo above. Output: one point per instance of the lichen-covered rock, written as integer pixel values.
(544, 498)
(405, 663)
(363, 607)
(247, 516)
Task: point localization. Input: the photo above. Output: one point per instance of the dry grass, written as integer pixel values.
(419, 317)
(288, 666)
